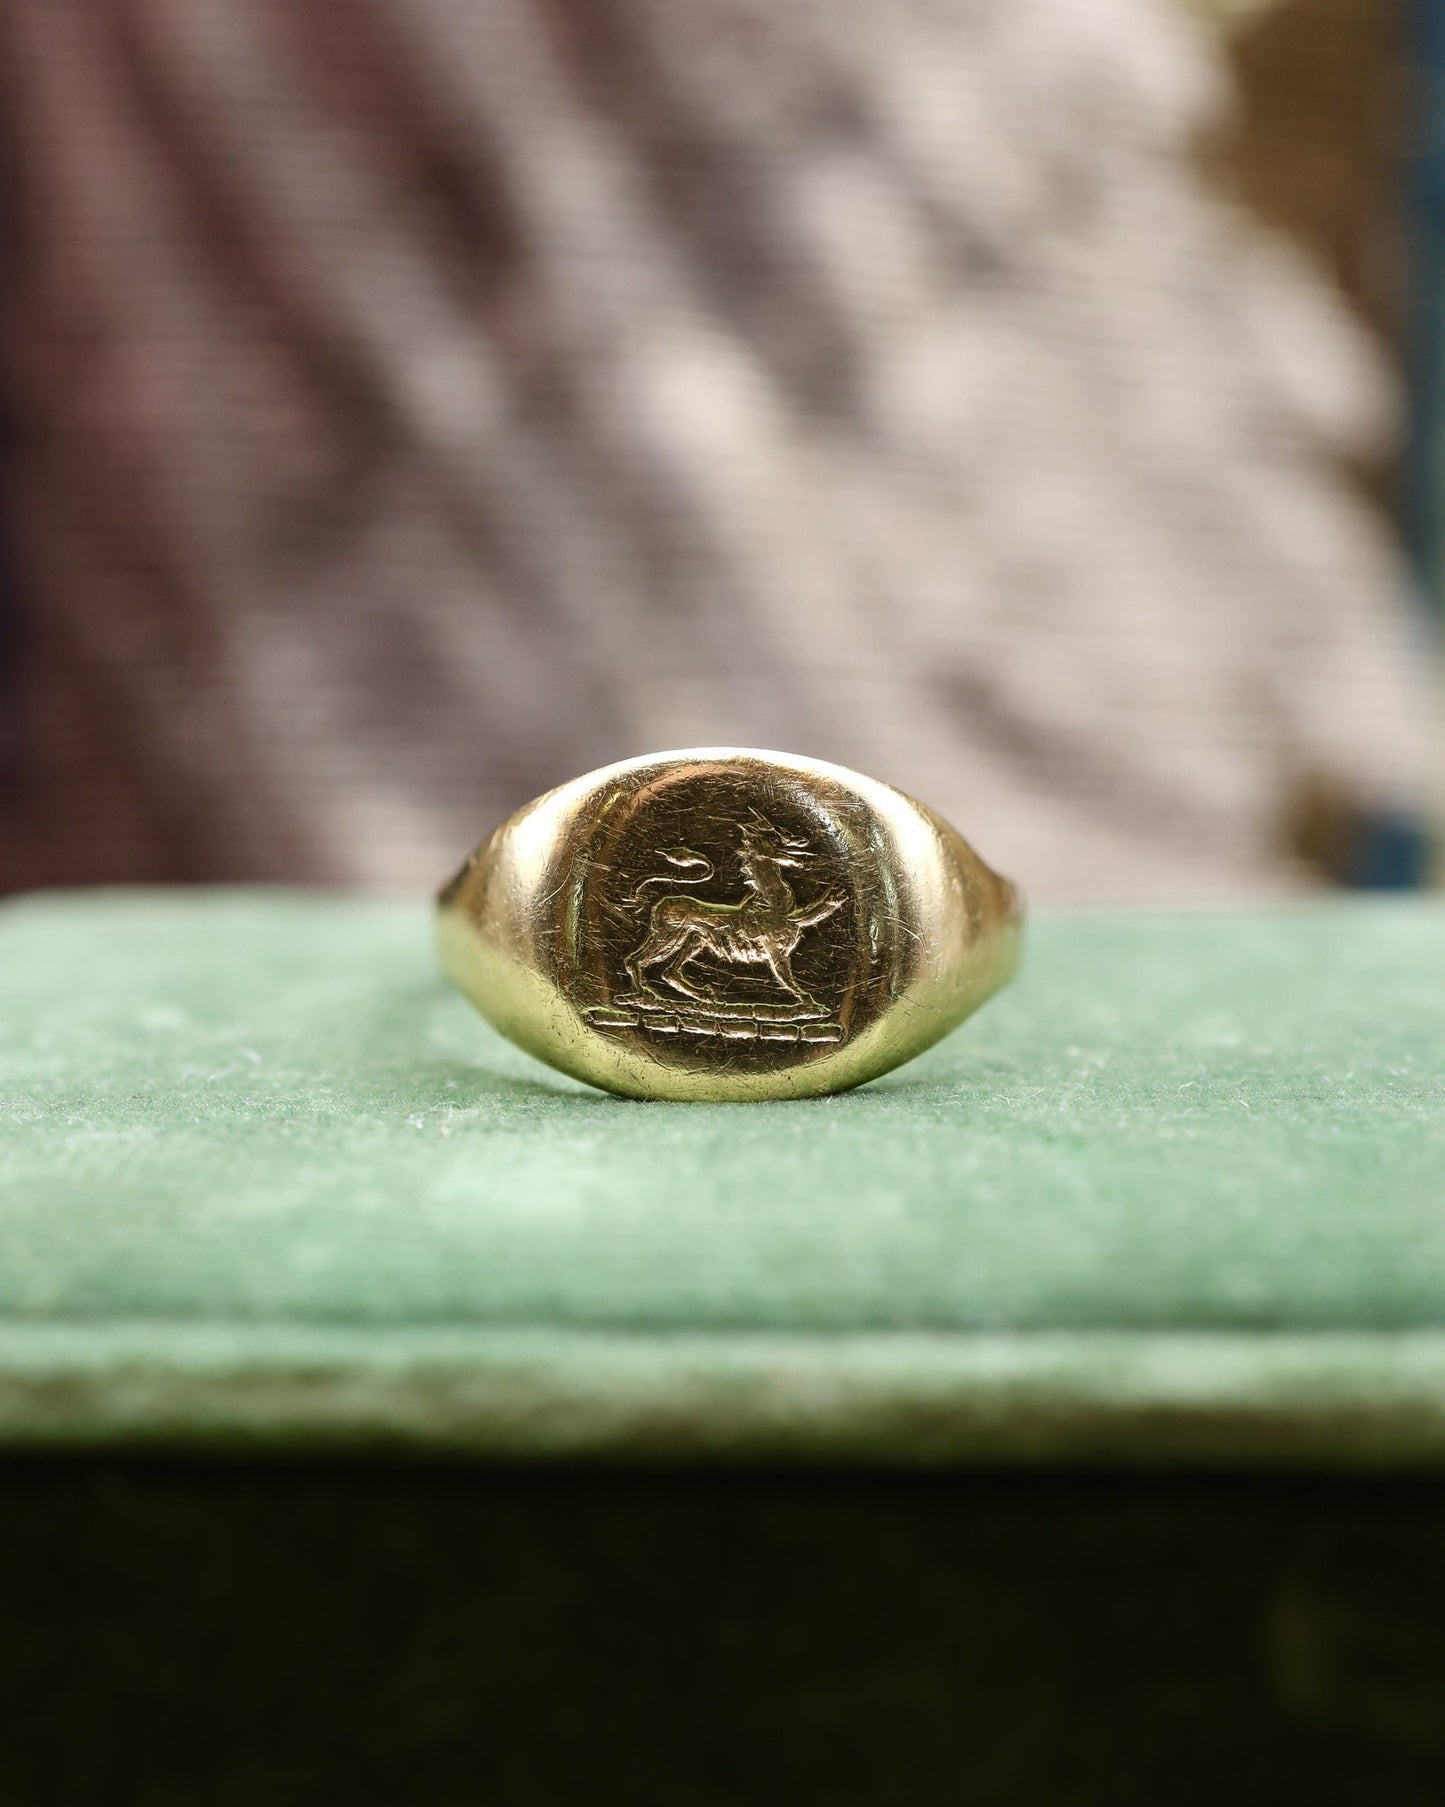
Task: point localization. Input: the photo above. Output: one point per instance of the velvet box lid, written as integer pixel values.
(1179, 1195)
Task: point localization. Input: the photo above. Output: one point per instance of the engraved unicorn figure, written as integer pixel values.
(760, 930)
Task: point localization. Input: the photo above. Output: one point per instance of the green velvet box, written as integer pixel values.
(385, 1417)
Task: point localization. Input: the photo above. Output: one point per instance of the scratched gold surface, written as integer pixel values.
(727, 924)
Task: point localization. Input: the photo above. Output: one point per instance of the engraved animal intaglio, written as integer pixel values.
(726, 924)
(760, 929)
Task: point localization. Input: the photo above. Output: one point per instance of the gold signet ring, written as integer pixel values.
(725, 924)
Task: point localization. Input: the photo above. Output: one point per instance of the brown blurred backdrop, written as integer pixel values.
(412, 403)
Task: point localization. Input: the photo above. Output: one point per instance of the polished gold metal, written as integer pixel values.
(726, 924)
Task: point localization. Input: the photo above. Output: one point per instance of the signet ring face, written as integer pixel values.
(724, 924)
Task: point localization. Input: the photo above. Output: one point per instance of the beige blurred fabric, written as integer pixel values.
(1233, 15)
(418, 402)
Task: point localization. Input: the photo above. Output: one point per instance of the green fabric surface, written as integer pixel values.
(1179, 1193)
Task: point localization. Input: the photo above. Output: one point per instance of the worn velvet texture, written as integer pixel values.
(387, 1417)
(264, 1176)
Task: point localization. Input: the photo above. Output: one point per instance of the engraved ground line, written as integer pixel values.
(726, 1029)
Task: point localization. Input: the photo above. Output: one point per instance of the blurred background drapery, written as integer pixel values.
(413, 403)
